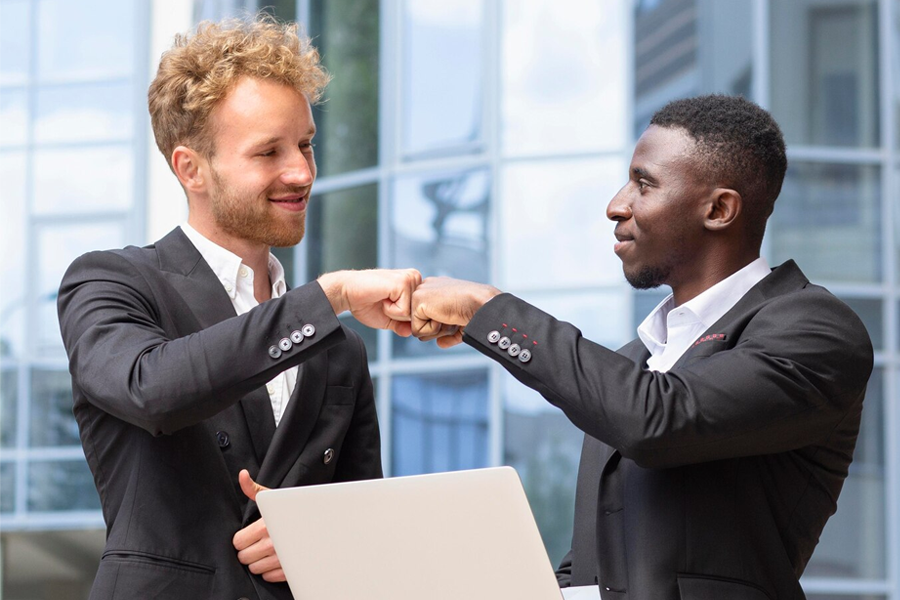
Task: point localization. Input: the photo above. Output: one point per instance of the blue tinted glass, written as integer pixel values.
(9, 392)
(15, 30)
(83, 180)
(76, 113)
(52, 421)
(61, 485)
(7, 487)
(13, 117)
(439, 422)
(13, 303)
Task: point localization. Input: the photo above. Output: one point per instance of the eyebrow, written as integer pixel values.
(277, 138)
(641, 172)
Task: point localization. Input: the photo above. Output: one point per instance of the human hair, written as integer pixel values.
(203, 65)
(739, 146)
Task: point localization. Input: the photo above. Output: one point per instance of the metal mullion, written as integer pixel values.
(75, 82)
(435, 364)
(346, 180)
(57, 219)
(566, 156)
(81, 145)
(822, 154)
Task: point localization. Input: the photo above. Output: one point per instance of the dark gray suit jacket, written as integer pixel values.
(713, 480)
(170, 399)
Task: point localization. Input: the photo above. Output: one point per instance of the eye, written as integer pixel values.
(642, 185)
(267, 153)
(307, 146)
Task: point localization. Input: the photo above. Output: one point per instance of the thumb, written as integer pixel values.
(248, 486)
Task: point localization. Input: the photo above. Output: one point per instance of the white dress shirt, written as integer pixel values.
(668, 332)
(237, 279)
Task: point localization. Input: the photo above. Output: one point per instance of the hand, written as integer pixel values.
(442, 307)
(253, 543)
(379, 298)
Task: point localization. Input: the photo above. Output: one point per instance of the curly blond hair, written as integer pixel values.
(202, 67)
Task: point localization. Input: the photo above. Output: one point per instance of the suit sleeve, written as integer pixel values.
(798, 367)
(564, 571)
(123, 357)
(361, 453)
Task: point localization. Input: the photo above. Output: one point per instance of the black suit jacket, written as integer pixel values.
(170, 399)
(715, 479)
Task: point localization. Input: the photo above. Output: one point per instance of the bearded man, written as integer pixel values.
(194, 369)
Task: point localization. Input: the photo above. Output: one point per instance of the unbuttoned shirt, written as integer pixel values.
(669, 331)
(237, 279)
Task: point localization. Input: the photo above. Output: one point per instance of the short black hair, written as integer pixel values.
(740, 146)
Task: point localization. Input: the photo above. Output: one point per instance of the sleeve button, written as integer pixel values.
(514, 350)
(525, 355)
(308, 330)
(274, 352)
(493, 337)
(504, 343)
(285, 344)
(296, 336)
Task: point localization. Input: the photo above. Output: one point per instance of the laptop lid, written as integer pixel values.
(446, 536)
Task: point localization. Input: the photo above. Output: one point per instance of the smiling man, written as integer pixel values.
(194, 368)
(716, 444)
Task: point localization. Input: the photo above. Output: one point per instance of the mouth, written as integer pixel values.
(291, 202)
(622, 241)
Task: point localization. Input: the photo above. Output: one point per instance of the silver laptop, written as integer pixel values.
(467, 535)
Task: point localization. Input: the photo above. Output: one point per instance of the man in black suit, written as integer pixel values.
(194, 369)
(717, 443)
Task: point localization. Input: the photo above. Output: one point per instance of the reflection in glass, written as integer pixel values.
(442, 78)
(52, 421)
(13, 117)
(9, 390)
(439, 422)
(853, 542)
(869, 311)
(342, 230)
(542, 199)
(13, 302)
(14, 41)
(83, 180)
(57, 247)
(7, 487)
(563, 97)
(89, 39)
(61, 485)
(439, 224)
(84, 113)
(828, 218)
(825, 72)
(678, 52)
(543, 446)
(347, 35)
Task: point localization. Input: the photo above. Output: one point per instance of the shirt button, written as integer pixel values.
(270, 388)
(329, 454)
(525, 355)
(296, 336)
(504, 343)
(222, 439)
(244, 272)
(274, 352)
(308, 330)
(285, 344)
(493, 337)
(228, 288)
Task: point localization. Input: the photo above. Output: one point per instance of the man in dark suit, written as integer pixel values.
(717, 443)
(194, 369)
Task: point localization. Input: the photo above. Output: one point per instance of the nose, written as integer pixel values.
(301, 172)
(619, 208)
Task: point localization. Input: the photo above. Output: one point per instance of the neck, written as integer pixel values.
(718, 270)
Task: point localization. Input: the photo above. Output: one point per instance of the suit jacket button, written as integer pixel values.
(308, 330)
(285, 344)
(274, 352)
(514, 350)
(296, 336)
(223, 439)
(504, 343)
(524, 355)
(329, 454)
(493, 337)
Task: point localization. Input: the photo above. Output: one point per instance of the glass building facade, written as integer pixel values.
(479, 139)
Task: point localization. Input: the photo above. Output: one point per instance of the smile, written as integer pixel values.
(294, 203)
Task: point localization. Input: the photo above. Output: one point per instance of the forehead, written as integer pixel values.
(663, 150)
(258, 107)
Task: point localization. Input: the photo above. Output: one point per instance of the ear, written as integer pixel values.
(723, 209)
(191, 169)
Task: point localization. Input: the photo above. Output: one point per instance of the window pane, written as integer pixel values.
(84, 113)
(346, 34)
(13, 117)
(564, 90)
(9, 391)
(869, 310)
(845, 597)
(828, 218)
(555, 230)
(439, 224)
(897, 68)
(439, 422)
(57, 247)
(85, 40)
(13, 227)
(853, 542)
(825, 72)
(544, 447)
(342, 230)
(678, 52)
(442, 75)
(52, 421)
(15, 30)
(61, 485)
(83, 180)
(645, 301)
(7, 487)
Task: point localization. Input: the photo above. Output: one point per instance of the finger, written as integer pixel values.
(248, 486)
(264, 565)
(275, 576)
(402, 329)
(249, 535)
(449, 341)
(443, 331)
(257, 552)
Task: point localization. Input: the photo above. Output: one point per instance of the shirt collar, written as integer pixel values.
(226, 265)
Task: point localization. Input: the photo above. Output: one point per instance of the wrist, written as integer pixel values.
(333, 286)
